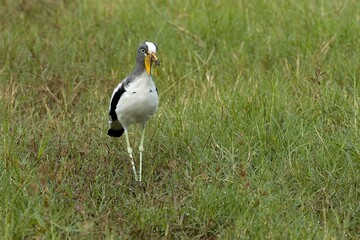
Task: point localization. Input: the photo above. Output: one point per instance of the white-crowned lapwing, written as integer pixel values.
(135, 99)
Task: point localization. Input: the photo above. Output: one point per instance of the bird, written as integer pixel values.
(134, 100)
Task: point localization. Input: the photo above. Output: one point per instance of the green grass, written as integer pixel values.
(251, 140)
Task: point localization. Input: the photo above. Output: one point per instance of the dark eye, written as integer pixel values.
(142, 50)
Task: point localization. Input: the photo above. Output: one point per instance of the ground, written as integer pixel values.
(256, 137)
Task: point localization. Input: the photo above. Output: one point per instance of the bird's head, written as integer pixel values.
(146, 54)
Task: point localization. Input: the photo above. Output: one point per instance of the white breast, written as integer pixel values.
(138, 102)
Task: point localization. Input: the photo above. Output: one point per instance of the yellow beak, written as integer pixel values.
(149, 59)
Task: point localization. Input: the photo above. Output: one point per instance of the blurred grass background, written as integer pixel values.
(257, 134)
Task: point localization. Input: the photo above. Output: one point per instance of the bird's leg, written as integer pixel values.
(129, 149)
(141, 150)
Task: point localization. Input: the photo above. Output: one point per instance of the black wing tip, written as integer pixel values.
(115, 133)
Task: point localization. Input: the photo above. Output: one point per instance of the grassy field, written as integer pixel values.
(257, 134)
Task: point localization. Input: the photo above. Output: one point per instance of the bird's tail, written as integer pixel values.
(116, 129)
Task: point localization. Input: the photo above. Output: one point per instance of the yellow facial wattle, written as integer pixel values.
(148, 63)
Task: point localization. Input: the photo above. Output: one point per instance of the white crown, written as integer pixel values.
(151, 47)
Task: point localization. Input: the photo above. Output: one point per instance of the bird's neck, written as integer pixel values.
(139, 68)
(141, 82)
